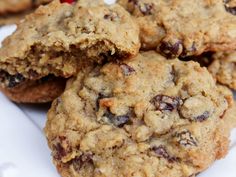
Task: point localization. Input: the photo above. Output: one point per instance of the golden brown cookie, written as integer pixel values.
(184, 27)
(61, 38)
(223, 68)
(40, 91)
(146, 116)
(12, 11)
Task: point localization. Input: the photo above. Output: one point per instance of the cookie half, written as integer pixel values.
(146, 116)
(184, 27)
(59, 39)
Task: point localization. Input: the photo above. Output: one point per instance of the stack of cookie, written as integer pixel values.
(130, 96)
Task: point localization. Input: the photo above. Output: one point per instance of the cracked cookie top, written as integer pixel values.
(146, 116)
(184, 27)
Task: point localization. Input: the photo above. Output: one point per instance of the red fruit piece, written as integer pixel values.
(67, 1)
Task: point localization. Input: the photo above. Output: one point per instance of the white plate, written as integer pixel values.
(24, 151)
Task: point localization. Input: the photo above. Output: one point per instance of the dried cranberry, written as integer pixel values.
(127, 70)
(166, 103)
(67, 1)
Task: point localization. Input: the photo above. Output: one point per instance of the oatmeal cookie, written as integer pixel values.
(146, 116)
(185, 27)
(12, 11)
(60, 38)
(14, 6)
(223, 68)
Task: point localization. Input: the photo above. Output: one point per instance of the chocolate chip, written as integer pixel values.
(202, 117)
(166, 103)
(118, 121)
(60, 147)
(112, 16)
(228, 8)
(80, 161)
(185, 139)
(161, 151)
(146, 9)
(171, 50)
(127, 70)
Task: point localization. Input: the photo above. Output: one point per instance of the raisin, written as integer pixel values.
(112, 16)
(171, 50)
(11, 80)
(202, 117)
(14, 80)
(127, 70)
(161, 151)
(61, 147)
(146, 9)
(118, 121)
(228, 8)
(60, 151)
(185, 139)
(78, 162)
(166, 103)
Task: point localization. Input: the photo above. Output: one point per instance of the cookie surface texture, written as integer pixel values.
(146, 116)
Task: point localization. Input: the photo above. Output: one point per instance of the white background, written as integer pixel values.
(23, 147)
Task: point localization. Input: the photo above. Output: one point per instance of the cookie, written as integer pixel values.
(61, 38)
(146, 116)
(13, 18)
(11, 12)
(16, 6)
(223, 68)
(10, 6)
(184, 27)
(22, 90)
